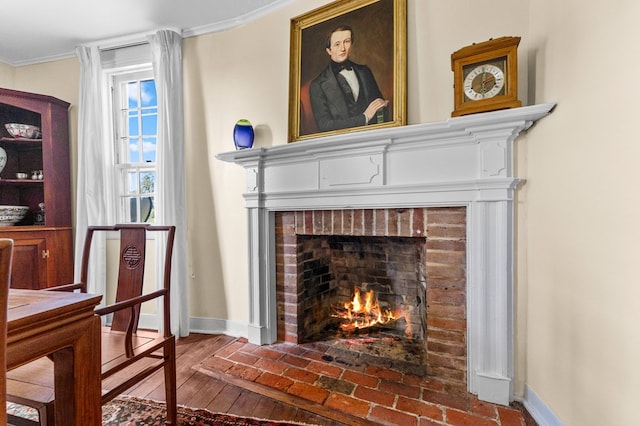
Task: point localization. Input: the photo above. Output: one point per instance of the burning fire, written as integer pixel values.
(363, 314)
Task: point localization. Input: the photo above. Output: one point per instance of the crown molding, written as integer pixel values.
(235, 22)
(129, 39)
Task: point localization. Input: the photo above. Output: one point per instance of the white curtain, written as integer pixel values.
(94, 197)
(95, 192)
(166, 51)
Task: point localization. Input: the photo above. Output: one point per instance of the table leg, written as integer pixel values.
(77, 377)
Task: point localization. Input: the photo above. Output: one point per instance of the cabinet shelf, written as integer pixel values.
(20, 140)
(21, 145)
(21, 181)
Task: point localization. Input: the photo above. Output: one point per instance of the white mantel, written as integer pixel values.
(463, 161)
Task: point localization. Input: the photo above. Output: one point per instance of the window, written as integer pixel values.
(135, 115)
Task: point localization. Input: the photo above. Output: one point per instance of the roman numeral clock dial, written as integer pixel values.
(483, 82)
(485, 76)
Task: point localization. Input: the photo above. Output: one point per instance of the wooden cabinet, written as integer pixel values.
(42, 257)
(43, 253)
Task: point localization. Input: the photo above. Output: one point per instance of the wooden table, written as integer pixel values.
(63, 325)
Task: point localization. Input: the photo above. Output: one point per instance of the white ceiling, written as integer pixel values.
(33, 31)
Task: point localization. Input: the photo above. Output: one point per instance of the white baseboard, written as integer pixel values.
(218, 326)
(540, 412)
(201, 325)
(493, 388)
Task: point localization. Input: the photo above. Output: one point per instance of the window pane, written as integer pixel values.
(147, 182)
(133, 210)
(132, 94)
(133, 126)
(134, 151)
(148, 93)
(132, 182)
(149, 150)
(147, 209)
(149, 124)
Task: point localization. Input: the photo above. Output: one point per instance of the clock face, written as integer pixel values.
(483, 81)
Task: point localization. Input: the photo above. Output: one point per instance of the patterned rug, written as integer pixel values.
(130, 411)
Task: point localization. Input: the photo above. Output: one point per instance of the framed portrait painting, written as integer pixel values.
(348, 68)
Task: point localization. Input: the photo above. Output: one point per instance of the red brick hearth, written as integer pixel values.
(325, 381)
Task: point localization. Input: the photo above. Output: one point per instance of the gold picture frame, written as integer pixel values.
(375, 34)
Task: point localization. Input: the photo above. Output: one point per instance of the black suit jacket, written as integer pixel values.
(334, 109)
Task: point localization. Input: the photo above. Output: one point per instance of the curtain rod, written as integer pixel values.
(121, 46)
(130, 40)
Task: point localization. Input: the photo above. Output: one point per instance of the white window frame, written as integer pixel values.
(117, 78)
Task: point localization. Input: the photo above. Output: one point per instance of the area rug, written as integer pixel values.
(131, 411)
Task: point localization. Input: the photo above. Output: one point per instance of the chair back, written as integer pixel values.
(6, 253)
(307, 120)
(131, 267)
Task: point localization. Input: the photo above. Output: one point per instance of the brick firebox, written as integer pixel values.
(443, 230)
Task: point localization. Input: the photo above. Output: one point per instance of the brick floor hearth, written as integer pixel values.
(350, 390)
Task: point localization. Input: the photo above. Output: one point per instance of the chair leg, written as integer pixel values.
(47, 414)
(170, 385)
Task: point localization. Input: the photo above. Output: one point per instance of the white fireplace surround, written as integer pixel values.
(463, 161)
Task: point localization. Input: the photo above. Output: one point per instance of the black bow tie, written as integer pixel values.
(337, 67)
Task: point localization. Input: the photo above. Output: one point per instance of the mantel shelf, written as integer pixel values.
(434, 132)
(453, 161)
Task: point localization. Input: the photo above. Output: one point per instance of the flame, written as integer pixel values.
(361, 314)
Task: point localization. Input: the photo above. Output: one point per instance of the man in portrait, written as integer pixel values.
(345, 94)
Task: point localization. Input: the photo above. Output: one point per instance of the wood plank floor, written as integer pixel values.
(198, 390)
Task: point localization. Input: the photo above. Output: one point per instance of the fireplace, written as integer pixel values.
(464, 163)
(412, 261)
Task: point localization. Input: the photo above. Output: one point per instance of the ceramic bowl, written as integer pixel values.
(10, 215)
(22, 175)
(26, 131)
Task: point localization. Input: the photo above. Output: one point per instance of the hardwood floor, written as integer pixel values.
(229, 393)
(201, 391)
(220, 373)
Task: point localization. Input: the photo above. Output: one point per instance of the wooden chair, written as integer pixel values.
(129, 354)
(6, 252)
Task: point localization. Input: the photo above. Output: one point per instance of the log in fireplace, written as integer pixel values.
(461, 163)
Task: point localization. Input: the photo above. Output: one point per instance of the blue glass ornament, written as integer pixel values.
(243, 134)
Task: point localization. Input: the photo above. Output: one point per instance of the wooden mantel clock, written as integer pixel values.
(485, 76)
